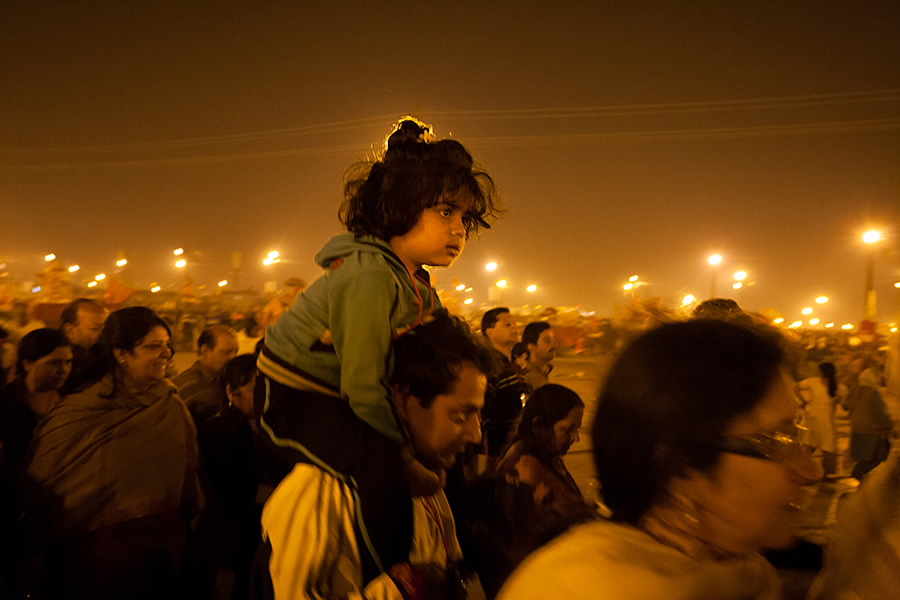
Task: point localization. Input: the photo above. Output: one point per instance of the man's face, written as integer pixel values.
(215, 358)
(441, 431)
(545, 349)
(505, 332)
(87, 331)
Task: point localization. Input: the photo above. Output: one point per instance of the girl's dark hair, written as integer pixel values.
(385, 197)
(123, 330)
(827, 370)
(667, 403)
(38, 344)
(546, 406)
(239, 371)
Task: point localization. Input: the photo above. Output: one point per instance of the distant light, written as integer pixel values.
(468, 289)
(267, 261)
(100, 277)
(273, 254)
(897, 284)
(821, 299)
(829, 325)
(688, 300)
(491, 266)
(715, 259)
(531, 288)
(35, 289)
(73, 268)
(628, 286)
(846, 326)
(814, 321)
(468, 301)
(92, 284)
(180, 263)
(779, 321)
(740, 275)
(871, 236)
(50, 257)
(178, 251)
(893, 330)
(633, 278)
(155, 289)
(121, 263)
(806, 311)
(737, 285)
(223, 283)
(502, 283)
(460, 287)
(795, 324)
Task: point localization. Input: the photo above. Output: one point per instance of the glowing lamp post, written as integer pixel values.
(714, 261)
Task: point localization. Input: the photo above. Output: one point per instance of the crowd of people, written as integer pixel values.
(371, 445)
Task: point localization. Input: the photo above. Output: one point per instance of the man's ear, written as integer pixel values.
(401, 398)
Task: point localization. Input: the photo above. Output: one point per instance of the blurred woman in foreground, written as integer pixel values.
(115, 467)
(700, 464)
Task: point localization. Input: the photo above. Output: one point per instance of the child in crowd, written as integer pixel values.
(324, 399)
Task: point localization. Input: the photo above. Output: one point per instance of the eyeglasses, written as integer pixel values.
(778, 446)
(157, 348)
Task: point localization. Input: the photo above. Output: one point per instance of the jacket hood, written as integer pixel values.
(347, 243)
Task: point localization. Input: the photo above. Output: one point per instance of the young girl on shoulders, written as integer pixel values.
(325, 362)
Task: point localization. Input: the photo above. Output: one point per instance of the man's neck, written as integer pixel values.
(504, 349)
(538, 365)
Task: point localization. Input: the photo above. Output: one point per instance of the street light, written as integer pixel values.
(50, 257)
(223, 283)
(806, 311)
(714, 261)
(531, 289)
(180, 264)
(688, 300)
(73, 268)
(633, 279)
(821, 299)
(628, 286)
(121, 262)
(502, 283)
(100, 277)
(178, 251)
(870, 309)
(491, 266)
(740, 276)
(271, 258)
(460, 287)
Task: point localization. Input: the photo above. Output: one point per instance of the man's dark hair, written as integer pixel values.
(667, 402)
(69, 314)
(239, 371)
(384, 198)
(490, 318)
(210, 335)
(518, 349)
(428, 358)
(533, 331)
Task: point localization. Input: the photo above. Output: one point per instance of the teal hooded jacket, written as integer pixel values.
(336, 338)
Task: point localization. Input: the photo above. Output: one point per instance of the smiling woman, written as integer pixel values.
(115, 468)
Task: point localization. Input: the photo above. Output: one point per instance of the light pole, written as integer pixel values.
(870, 308)
(714, 261)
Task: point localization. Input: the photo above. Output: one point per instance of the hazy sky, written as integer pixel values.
(624, 139)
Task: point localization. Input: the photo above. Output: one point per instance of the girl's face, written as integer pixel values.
(436, 239)
(565, 431)
(747, 503)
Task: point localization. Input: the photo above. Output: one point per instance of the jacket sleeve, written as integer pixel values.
(360, 320)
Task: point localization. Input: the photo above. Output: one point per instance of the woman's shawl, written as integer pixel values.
(102, 461)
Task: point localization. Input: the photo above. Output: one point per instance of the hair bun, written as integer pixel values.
(410, 129)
